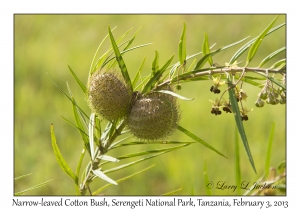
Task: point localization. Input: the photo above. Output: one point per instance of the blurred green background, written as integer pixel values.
(48, 43)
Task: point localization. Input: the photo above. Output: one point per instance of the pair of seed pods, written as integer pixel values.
(151, 116)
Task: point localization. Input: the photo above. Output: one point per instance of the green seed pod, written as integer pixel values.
(108, 96)
(154, 116)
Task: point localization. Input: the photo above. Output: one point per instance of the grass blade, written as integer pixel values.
(248, 44)
(172, 192)
(268, 158)
(120, 60)
(205, 49)
(206, 179)
(20, 177)
(182, 46)
(121, 180)
(239, 123)
(174, 94)
(279, 64)
(61, 161)
(33, 188)
(82, 86)
(237, 162)
(269, 57)
(199, 140)
(156, 76)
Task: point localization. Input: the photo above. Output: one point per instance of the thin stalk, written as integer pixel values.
(213, 71)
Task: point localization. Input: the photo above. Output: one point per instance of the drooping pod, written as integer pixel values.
(153, 116)
(108, 96)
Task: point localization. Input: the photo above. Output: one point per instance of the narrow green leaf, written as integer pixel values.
(133, 163)
(269, 57)
(68, 97)
(268, 157)
(198, 139)
(33, 188)
(78, 122)
(238, 121)
(138, 73)
(108, 158)
(125, 51)
(82, 86)
(174, 94)
(151, 142)
(82, 131)
(61, 161)
(120, 60)
(103, 176)
(91, 67)
(155, 65)
(155, 78)
(121, 180)
(254, 47)
(172, 192)
(273, 80)
(192, 64)
(182, 46)
(203, 60)
(151, 152)
(237, 163)
(78, 169)
(248, 44)
(132, 39)
(205, 49)
(207, 183)
(279, 64)
(91, 135)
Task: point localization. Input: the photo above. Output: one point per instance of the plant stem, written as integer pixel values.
(100, 150)
(218, 70)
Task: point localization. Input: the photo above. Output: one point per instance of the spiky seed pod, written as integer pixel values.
(108, 96)
(153, 116)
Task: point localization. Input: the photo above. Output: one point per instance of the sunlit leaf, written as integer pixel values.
(156, 76)
(61, 161)
(193, 136)
(182, 46)
(248, 44)
(121, 180)
(120, 60)
(206, 50)
(239, 123)
(269, 57)
(155, 65)
(174, 94)
(254, 47)
(102, 175)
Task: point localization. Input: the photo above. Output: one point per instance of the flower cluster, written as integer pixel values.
(270, 95)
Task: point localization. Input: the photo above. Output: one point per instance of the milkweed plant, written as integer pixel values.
(147, 108)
